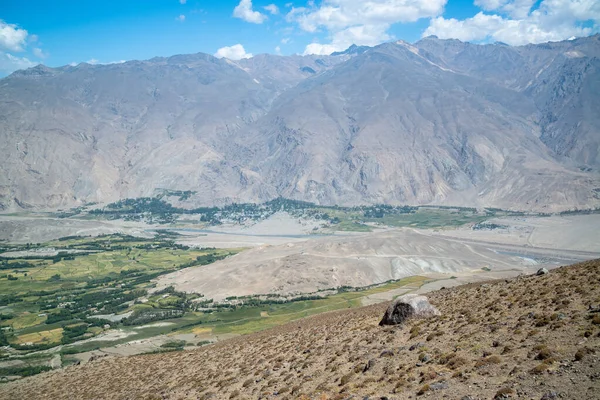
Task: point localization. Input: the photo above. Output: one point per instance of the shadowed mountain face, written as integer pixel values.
(439, 121)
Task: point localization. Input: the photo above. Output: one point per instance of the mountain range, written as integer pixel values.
(434, 122)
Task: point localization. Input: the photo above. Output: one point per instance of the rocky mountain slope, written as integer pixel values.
(439, 121)
(534, 337)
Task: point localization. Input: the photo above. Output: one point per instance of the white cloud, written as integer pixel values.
(554, 20)
(277, 50)
(180, 18)
(515, 8)
(12, 37)
(285, 40)
(39, 53)
(182, 1)
(94, 61)
(10, 63)
(358, 21)
(235, 52)
(364, 35)
(272, 8)
(244, 11)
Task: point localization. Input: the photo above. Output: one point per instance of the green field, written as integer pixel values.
(421, 217)
(48, 299)
(339, 218)
(245, 319)
(279, 314)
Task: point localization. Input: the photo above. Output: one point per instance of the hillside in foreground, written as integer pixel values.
(530, 337)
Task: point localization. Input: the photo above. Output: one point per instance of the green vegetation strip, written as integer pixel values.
(252, 319)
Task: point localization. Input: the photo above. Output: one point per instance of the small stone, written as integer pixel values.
(387, 353)
(370, 364)
(439, 386)
(415, 346)
(550, 395)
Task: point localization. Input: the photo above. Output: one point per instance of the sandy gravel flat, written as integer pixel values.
(572, 233)
(38, 229)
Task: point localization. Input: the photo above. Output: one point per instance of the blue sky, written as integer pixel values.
(60, 32)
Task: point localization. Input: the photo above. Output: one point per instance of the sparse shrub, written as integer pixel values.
(504, 392)
(452, 360)
(345, 379)
(596, 319)
(400, 385)
(428, 375)
(415, 331)
(582, 352)
(544, 353)
(495, 359)
(540, 368)
(424, 389)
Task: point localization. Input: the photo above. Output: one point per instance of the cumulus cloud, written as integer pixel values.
(244, 11)
(12, 37)
(358, 21)
(272, 8)
(365, 35)
(514, 22)
(180, 18)
(95, 61)
(235, 52)
(39, 53)
(10, 63)
(182, 1)
(515, 8)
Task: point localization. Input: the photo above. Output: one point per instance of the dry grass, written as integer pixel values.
(495, 340)
(51, 336)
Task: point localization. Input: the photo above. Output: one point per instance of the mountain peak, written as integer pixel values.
(353, 49)
(36, 71)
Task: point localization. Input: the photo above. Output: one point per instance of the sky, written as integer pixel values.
(61, 32)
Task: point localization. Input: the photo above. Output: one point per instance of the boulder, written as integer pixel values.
(542, 271)
(408, 306)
